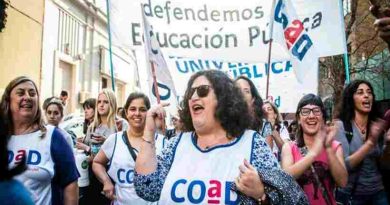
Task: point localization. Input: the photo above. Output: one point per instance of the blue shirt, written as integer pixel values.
(12, 192)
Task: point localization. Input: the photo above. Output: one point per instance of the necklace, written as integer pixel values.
(362, 130)
(213, 144)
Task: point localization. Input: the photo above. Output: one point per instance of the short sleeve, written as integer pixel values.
(109, 144)
(68, 137)
(65, 170)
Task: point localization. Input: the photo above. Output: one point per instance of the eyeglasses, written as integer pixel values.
(306, 111)
(202, 91)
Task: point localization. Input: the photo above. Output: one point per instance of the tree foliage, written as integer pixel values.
(365, 52)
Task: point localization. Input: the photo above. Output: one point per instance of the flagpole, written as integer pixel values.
(155, 82)
(346, 60)
(270, 48)
(110, 45)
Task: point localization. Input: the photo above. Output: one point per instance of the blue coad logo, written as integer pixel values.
(197, 190)
(33, 157)
(125, 176)
(294, 34)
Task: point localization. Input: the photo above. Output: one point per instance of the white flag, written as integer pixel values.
(165, 85)
(298, 41)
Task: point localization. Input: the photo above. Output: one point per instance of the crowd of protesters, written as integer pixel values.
(227, 146)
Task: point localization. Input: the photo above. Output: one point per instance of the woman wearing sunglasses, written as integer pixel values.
(359, 131)
(216, 161)
(315, 159)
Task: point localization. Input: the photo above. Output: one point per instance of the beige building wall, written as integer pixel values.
(21, 41)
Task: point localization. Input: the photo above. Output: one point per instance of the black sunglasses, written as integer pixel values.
(202, 91)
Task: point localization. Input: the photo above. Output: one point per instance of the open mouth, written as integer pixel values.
(197, 108)
(366, 104)
(26, 106)
(312, 123)
(137, 120)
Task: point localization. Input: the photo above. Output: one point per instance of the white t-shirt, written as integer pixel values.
(121, 170)
(284, 135)
(205, 176)
(46, 157)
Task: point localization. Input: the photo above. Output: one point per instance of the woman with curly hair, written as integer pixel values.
(315, 159)
(359, 131)
(216, 160)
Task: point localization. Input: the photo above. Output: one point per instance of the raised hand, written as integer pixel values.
(331, 131)
(376, 128)
(319, 141)
(154, 116)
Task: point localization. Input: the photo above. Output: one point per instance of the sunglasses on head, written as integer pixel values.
(201, 91)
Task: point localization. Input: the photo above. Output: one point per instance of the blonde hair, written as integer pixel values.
(279, 117)
(111, 112)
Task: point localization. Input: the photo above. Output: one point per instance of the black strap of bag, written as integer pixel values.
(349, 135)
(129, 147)
(325, 193)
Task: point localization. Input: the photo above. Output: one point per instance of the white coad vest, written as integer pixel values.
(122, 172)
(40, 166)
(205, 177)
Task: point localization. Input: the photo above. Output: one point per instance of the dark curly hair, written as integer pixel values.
(347, 108)
(309, 99)
(257, 119)
(232, 110)
(3, 14)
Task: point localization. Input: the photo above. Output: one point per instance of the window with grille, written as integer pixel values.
(70, 32)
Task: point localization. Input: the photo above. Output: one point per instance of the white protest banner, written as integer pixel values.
(165, 86)
(206, 29)
(212, 30)
(300, 44)
(285, 90)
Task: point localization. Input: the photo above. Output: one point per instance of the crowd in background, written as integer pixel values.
(227, 146)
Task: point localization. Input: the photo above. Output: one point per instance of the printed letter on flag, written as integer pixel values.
(165, 86)
(298, 41)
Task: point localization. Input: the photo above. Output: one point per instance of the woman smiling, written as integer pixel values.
(216, 160)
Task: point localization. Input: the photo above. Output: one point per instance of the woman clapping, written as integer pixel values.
(315, 159)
